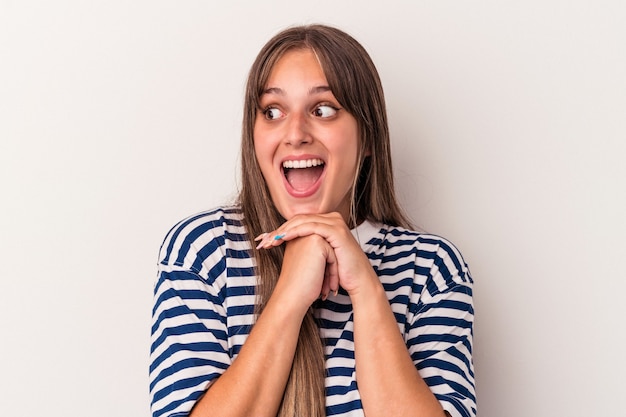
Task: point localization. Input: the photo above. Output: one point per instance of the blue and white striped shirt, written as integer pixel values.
(204, 310)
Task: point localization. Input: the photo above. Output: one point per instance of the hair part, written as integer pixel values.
(354, 81)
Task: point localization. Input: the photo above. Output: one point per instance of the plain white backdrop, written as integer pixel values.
(119, 118)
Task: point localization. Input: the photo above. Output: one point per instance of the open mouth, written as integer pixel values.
(303, 175)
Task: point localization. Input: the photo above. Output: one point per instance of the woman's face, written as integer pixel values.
(305, 143)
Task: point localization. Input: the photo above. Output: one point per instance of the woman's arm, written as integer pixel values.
(254, 384)
(388, 381)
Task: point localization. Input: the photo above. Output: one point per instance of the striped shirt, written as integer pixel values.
(204, 310)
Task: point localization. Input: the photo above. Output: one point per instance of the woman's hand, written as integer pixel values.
(308, 271)
(346, 262)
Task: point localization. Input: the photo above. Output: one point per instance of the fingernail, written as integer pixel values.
(263, 242)
(260, 237)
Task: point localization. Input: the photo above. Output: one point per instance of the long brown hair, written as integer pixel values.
(354, 81)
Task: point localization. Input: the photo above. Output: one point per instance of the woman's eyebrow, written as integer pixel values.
(279, 91)
(274, 90)
(319, 89)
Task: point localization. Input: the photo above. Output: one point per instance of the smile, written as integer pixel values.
(303, 176)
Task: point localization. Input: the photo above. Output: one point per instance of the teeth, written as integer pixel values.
(303, 163)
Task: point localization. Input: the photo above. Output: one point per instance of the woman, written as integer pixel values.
(311, 296)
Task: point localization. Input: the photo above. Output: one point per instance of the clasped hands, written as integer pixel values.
(320, 255)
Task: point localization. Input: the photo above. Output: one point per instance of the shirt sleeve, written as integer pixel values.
(441, 330)
(189, 341)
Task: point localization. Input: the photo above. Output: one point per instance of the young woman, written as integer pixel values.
(311, 296)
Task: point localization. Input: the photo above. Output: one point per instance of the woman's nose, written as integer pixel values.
(298, 131)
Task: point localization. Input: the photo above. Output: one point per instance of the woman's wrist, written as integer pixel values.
(369, 289)
(292, 305)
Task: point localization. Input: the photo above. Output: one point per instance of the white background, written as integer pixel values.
(119, 118)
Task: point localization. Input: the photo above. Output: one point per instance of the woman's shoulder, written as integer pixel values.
(398, 236)
(213, 227)
(215, 217)
(429, 249)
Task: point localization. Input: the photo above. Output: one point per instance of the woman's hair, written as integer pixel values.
(354, 81)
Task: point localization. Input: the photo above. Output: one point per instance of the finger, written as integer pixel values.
(303, 225)
(301, 219)
(325, 285)
(333, 233)
(267, 238)
(331, 276)
(333, 282)
(272, 239)
(262, 239)
(330, 284)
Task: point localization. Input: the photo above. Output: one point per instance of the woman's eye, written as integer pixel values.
(272, 113)
(325, 111)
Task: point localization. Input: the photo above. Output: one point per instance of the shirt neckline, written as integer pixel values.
(365, 232)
